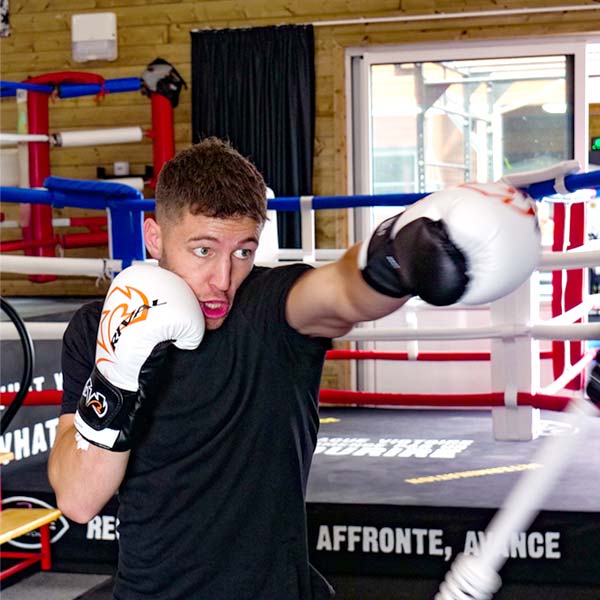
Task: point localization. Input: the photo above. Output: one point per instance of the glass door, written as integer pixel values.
(426, 118)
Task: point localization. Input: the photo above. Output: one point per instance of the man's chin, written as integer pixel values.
(212, 324)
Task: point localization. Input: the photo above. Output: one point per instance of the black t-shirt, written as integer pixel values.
(212, 504)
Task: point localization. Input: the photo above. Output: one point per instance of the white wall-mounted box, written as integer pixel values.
(94, 36)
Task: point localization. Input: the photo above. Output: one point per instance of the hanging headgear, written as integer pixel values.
(161, 77)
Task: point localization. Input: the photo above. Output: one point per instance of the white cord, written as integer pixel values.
(476, 577)
(467, 580)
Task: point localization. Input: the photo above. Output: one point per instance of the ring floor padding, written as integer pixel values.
(366, 518)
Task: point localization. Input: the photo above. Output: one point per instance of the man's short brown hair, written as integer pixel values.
(212, 179)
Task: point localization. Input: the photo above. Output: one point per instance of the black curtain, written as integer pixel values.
(256, 88)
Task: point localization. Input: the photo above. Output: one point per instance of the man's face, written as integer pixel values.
(213, 256)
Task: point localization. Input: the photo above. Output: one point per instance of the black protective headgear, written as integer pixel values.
(161, 77)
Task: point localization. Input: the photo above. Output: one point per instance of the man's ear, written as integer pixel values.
(153, 237)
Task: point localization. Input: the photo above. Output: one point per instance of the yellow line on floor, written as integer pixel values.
(476, 473)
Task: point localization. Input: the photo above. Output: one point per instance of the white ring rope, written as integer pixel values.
(542, 331)
(578, 331)
(70, 139)
(572, 259)
(27, 265)
(321, 255)
(96, 137)
(37, 330)
(471, 577)
(555, 329)
(569, 373)
(17, 138)
(549, 261)
(47, 265)
(577, 312)
(14, 224)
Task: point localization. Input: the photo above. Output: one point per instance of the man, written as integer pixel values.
(208, 440)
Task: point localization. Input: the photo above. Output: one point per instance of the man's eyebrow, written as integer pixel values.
(196, 238)
(210, 238)
(201, 238)
(251, 238)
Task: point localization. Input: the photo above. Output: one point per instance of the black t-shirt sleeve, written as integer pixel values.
(78, 353)
(266, 304)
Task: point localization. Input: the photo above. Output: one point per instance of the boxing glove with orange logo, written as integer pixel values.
(146, 309)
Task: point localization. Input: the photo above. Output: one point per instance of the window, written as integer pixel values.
(438, 116)
(436, 124)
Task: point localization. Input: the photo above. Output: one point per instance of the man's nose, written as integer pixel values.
(221, 276)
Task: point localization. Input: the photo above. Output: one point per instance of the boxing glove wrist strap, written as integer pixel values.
(104, 415)
(377, 263)
(417, 259)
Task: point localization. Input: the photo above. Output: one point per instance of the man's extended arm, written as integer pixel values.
(473, 244)
(330, 300)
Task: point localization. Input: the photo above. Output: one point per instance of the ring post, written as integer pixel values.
(125, 208)
(162, 134)
(515, 366)
(125, 233)
(39, 225)
(307, 222)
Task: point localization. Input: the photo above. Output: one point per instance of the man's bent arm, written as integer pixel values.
(330, 300)
(83, 480)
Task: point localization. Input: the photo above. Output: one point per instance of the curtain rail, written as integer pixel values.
(457, 15)
(440, 16)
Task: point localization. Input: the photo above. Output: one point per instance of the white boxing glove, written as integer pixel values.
(146, 307)
(474, 243)
(495, 226)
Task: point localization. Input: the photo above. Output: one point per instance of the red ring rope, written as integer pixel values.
(426, 356)
(41, 398)
(347, 397)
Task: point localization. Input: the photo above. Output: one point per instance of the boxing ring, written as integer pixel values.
(25, 157)
(402, 493)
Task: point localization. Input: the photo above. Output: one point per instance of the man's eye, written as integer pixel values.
(201, 251)
(243, 253)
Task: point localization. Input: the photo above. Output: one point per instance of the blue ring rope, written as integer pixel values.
(74, 90)
(98, 194)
